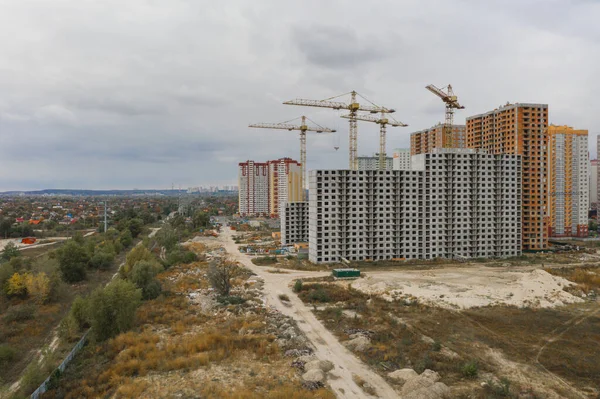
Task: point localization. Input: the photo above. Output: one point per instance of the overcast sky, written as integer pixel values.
(146, 93)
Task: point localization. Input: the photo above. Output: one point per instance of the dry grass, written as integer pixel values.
(587, 278)
(397, 332)
(369, 390)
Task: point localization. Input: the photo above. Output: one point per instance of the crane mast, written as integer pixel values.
(382, 122)
(303, 128)
(451, 101)
(353, 106)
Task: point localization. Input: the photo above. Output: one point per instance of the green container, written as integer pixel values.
(346, 273)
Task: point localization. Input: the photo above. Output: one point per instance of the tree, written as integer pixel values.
(6, 272)
(38, 286)
(126, 239)
(102, 259)
(137, 254)
(135, 226)
(16, 286)
(72, 261)
(10, 251)
(112, 308)
(220, 276)
(200, 219)
(143, 276)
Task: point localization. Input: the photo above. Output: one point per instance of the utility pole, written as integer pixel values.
(105, 222)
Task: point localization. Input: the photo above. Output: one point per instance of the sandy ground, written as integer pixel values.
(468, 287)
(327, 347)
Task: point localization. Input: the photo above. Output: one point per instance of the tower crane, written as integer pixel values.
(451, 102)
(353, 107)
(382, 122)
(303, 128)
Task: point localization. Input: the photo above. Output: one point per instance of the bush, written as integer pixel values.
(284, 297)
(112, 308)
(470, 369)
(102, 260)
(68, 329)
(7, 355)
(137, 254)
(179, 256)
(220, 276)
(72, 261)
(10, 251)
(126, 239)
(80, 312)
(501, 389)
(298, 286)
(38, 287)
(142, 275)
(436, 347)
(231, 300)
(15, 286)
(6, 272)
(19, 313)
(319, 295)
(32, 377)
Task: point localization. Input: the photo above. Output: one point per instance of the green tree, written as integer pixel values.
(10, 251)
(167, 237)
(201, 220)
(143, 276)
(135, 226)
(6, 272)
(137, 254)
(72, 261)
(112, 308)
(126, 239)
(102, 259)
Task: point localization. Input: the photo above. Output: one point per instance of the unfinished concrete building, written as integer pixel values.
(425, 141)
(568, 183)
(372, 163)
(454, 203)
(294, 223)
(520, 129)
(402, 160)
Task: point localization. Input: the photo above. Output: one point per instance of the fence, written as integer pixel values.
(44, 387)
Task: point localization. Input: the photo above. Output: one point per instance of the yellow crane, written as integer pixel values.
(303, 128)
(353, 107)
(451, 102)
(382, 122)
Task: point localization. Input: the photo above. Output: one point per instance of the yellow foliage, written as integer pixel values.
(38, 286)
(16, 285)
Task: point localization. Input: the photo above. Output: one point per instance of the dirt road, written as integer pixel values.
(327, 347)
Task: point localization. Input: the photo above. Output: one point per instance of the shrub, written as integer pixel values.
(102, 260)
(137, 254)
(112, 308)
(298, 286)
(319, 295)
(220, 276)
(284, 297)
(80, 312)
(16, 285)
(500, 389)
(7, 355)
(32, 377)
(19, 313)
(231, 300)
(470, 369)
(436, 347)
(6, 272)
(142, 275)
(10, 251)
(126, 239)
(72, 261)
(68, 329)
(38, 287)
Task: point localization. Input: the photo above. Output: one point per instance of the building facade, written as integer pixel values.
(265, 187)
(401, 159)
(568, 181)
(372, 163)
(594, 184)
(253, 182)
(294, 223)
(520, 129)
(453, 203)
(285, 184)
(425, 141)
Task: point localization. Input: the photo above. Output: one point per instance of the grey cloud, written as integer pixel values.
(335, 47)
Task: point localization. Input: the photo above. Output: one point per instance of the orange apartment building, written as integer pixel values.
(520, 129)
(424, 141)
(568, 182)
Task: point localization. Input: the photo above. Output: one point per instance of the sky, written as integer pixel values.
(121, 94)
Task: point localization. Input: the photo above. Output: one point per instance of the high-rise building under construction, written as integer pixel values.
(424, 141)
(520, 129)
(568, 182)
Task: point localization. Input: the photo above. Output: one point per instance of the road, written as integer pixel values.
(327, 347)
